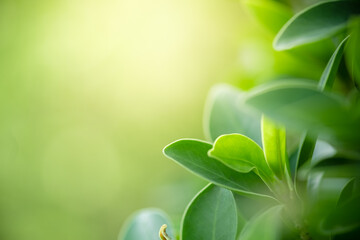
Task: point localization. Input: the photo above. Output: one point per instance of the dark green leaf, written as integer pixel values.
(145, 225)
(344, 218)
(316, 23)
(193, 155)
(328, 77)
(211, 215)
(323, 196)
(241, 154)
(306, 150)
(224, 116)
(267, 226)
(353, 50)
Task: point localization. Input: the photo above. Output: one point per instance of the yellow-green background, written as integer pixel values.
(90, 93)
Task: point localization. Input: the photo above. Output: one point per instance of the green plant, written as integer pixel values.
(260, 188)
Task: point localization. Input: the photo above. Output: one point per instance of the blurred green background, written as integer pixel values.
(90, 93)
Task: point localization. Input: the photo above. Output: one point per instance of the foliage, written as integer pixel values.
(259, 188)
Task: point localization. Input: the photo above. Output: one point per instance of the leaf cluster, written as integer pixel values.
(259, 188)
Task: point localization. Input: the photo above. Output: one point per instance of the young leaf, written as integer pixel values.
(267, 225)
(211, 215)
(274, 144)
(316, 23)
(328, 76)
(242, 154)
(224, 116)
(193, 155)
(270, 14)
(145, 225)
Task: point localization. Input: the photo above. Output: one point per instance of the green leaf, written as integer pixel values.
(344, 218)
(307, 143)
(315, 23)
(306, 150)
(242, 154)
(224, 116)
(274, 144)
(267, 225)
(353, 50)
(300, 105)
(145, 225)
(323, 196)
(193, 155)
(211, 215)
(272, 15)
(328, 76)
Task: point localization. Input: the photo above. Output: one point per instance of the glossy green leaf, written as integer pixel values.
(145, 225)
(267, 225)
(224, 116)
(353, 50)
(302, 106)
(272, 15)
(274, 144)
(193, 155)
(316, 23)
(211, 215)
(241, 154)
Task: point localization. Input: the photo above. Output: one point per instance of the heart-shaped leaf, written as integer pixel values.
(224, 116)
(242, 154)
(211, 215)
(193, 155)
(316, 23)
(145, 225)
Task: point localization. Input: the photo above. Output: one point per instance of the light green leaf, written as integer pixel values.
(242, 154)
(193, 155)
(272, 15)
(224, 116)
(274, 144)
(316, 23)
(353, 50)
(267, 225)
(328, 76)
(145, 225)
(211, 215)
